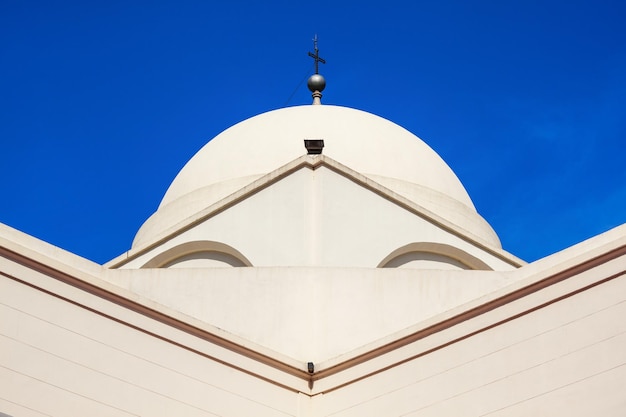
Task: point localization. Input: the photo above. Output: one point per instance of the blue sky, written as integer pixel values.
(104, 102)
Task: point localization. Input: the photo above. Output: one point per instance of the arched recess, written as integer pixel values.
(200, 249)
(437, 252)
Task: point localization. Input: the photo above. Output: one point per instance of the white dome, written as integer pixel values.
(362, 141)
(368, 144)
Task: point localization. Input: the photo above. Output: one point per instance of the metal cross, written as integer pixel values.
(316, 56)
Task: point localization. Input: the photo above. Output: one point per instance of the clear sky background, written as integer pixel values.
(102, 103)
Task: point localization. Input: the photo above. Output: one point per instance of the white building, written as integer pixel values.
(275, 280)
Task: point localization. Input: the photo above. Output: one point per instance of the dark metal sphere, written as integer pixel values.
(316, 83)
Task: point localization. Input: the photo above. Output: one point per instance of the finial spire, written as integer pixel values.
(316, 56)
(316, 82)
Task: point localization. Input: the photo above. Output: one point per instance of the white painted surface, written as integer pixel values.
(368, 144)
(66, 352)
(311, 314)
(566, 359)
(360, 140)
(321, 218)
(59, 359)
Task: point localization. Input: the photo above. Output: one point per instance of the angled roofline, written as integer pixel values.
(312, 162)
(32, 262)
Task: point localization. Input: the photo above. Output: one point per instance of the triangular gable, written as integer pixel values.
(269, 184)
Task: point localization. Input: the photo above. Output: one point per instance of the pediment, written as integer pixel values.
(316, 212)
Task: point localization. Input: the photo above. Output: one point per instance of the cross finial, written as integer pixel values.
(316, 55)
(316, 82)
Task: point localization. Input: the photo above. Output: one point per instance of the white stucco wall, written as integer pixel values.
(58, 358)
(310, 314)
(568, 358)
(558, 347)
(318, 218)
(363, 141)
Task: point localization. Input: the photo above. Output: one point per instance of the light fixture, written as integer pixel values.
(314, 146)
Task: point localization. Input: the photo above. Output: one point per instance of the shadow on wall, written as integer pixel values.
(432, 255)
(199, 254)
